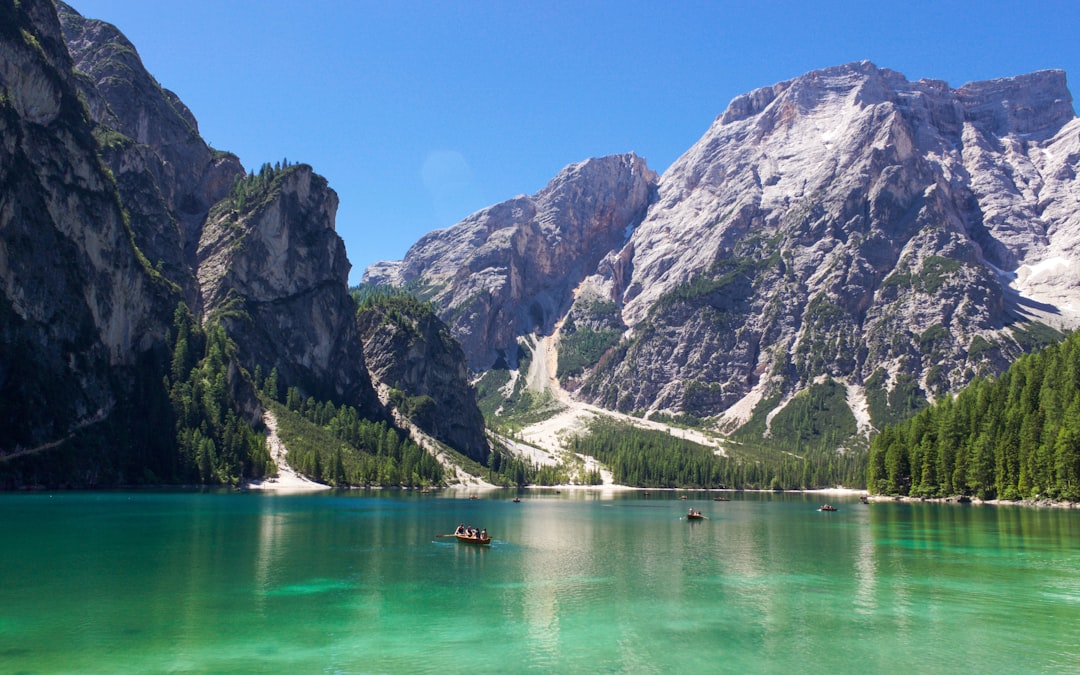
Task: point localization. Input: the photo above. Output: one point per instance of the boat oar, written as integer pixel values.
(446, 535)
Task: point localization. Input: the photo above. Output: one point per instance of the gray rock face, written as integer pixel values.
(85, 317)
(167, 175)
(77, 306)
(844, 223)
(408, 349)
(274, 268)
(847, 224)
(276, 273)
(511, 269)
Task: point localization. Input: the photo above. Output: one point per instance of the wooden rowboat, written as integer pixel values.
(466, 539)
(695, 516)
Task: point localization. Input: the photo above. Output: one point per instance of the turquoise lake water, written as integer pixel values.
(574, 582)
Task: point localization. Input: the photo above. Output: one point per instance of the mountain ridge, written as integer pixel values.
(511, 268)
(846, 224)
(836, 250)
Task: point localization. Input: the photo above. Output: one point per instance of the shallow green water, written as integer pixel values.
(574, 582)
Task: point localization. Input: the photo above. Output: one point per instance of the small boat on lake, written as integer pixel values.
(467, 534)
(469, 539)
(694, 515)
(828, 507)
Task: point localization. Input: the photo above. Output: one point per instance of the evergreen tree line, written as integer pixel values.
(214, 444)
(382, 297)
(254, 185)
(505, 468)
(650, 458)
(337, 446)
(581, 348)
(1016, 436)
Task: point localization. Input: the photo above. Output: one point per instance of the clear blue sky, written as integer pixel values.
(420, 113)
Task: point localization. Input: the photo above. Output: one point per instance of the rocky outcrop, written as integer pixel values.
(167, 175)
(410, 351)
(273, 268)
(512, 268)
(275, 272)
(80, 309)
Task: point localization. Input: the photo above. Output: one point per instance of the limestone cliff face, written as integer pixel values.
(111, 213)
(511, 269)
(854, 225)
(275, 272)
(410, 351)
(78, 307)
(167, 175)
(276, 258)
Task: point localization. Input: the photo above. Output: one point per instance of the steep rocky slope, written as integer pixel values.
(275, 261)
(274, 271)
(80, 308)
(850, 227)
(167, 175)
(854, 225)
(116, 218)
(512, 269)
(412, 356)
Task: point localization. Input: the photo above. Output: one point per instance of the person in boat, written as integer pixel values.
(690, 512)
(483, 533)
(460, 529)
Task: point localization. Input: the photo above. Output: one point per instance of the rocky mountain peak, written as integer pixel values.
(126, 97)
(862, 79)
(846, 226)
(511, 269)
(275, 242)
(823, 192)
(1036, 104)
(114, 215)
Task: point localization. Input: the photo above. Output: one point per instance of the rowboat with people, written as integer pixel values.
(473, 539)
(467, 534)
